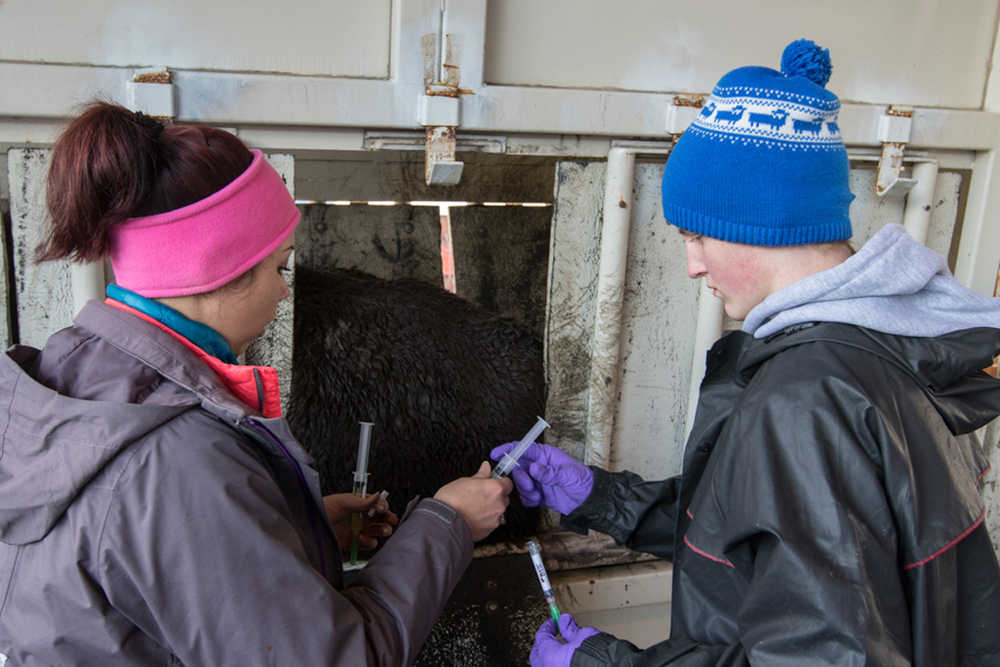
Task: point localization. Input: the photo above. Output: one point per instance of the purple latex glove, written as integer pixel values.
(549, 651)
(549, 476)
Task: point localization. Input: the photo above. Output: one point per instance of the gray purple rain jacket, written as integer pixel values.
(828, 512)
(148, 517)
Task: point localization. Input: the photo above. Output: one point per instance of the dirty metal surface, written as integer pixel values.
(42, 291)
(7, 320)
(658, 321)
(869, 213)
(575, 257)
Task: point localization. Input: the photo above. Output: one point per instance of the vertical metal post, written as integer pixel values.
(707, 331)
(604, 369)
(920, 200)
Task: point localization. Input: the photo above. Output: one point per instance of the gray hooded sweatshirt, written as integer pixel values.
(893, 285)
(148, 517)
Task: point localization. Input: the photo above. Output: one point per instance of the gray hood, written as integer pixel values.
(49, 452)
(893, 285)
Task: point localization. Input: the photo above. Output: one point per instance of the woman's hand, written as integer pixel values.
(480, 499)
(339, 508)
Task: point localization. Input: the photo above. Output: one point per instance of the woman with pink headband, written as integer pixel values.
(154, 507)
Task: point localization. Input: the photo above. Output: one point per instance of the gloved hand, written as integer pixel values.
(548, 651)
(549, 476)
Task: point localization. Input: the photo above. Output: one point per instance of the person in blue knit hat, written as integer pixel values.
(829, 509)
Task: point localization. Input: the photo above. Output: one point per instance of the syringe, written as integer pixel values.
(509, 460)
(371, 510)
(360, 486)
(543, 579)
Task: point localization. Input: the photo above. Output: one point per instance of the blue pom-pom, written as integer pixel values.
(804, 57)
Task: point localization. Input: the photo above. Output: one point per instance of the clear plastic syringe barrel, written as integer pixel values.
(543, 579)
(509, 460)
(360, 486)
(361, 472)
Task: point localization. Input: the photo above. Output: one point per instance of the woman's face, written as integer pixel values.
(247, 309)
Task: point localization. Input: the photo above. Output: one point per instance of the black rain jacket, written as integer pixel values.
(828, 512)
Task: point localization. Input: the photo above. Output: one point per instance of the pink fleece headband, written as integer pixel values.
(206, 244)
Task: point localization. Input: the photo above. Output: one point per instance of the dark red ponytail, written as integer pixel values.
(111, 164)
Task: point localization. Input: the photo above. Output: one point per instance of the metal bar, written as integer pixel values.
(976, 264)
(920, 200)
(606, 348)
(53, 91)
(707, 330)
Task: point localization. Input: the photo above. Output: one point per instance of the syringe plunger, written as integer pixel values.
(364, 441)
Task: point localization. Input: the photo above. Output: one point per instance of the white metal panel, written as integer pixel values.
(917, 52)
(869, 212)
(6, 337)
(573, 261)
(44, 297)
(4, 179)
(331, 38)
(628, 601)
(657, 339)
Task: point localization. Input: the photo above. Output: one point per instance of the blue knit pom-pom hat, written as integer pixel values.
(763, 163)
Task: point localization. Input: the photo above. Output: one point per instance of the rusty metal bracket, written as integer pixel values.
(681, 111)
(438, 111)
(151, 91)
(894, 133)
(441, 167)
